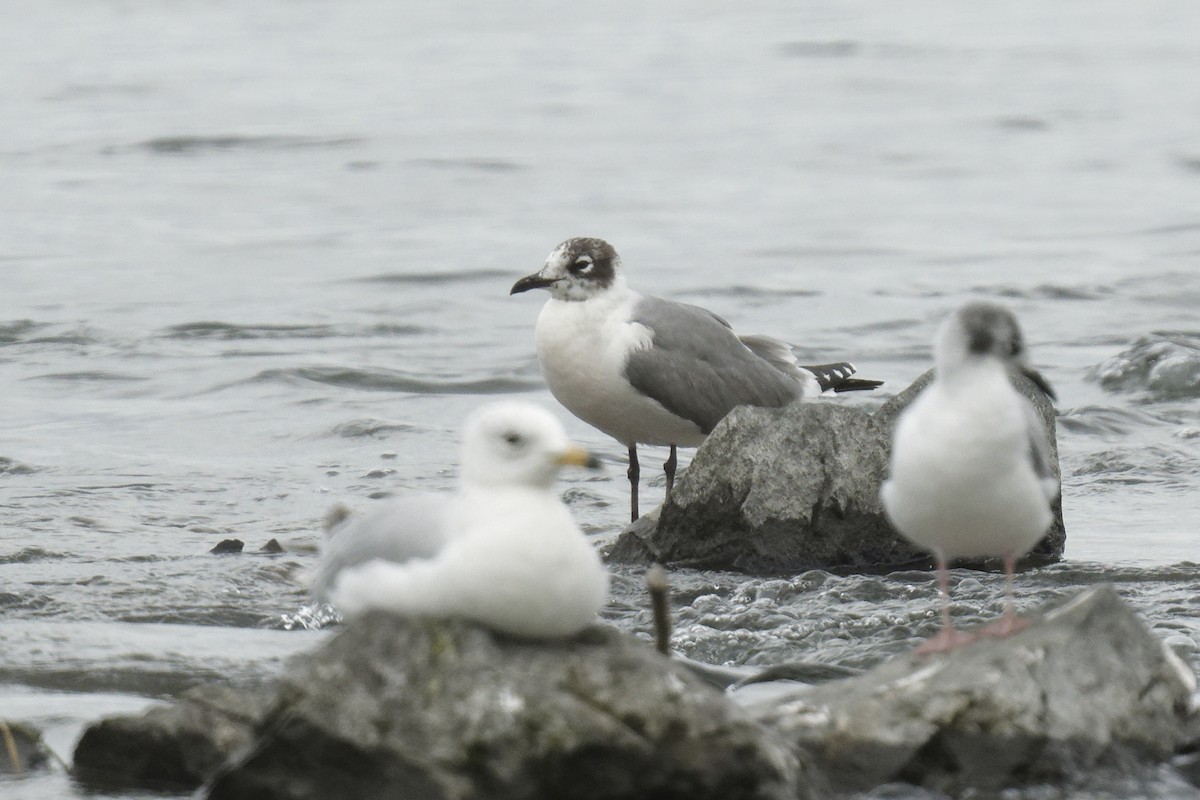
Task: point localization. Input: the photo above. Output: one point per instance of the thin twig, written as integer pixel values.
(10, 744)
(660, 602)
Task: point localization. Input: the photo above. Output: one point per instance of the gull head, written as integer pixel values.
(518, 444)
(979, 331)
(578, 269)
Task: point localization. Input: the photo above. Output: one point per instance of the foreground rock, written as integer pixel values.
(170, 747)
(775, 491)
(428, 709)
(1087, 684)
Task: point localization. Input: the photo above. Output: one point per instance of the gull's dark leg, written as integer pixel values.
(634, 473)
(669, 468)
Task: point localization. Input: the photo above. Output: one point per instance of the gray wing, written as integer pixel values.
(697, 367)
(1039, 452)
(409, 527)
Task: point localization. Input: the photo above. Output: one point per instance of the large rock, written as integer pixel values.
(392, 707)
(406, 708)
(775, 491)
(431, 709)
(1087, 683)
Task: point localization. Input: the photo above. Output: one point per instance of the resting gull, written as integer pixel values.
(650, 371)
(502, 549)
(970, 472)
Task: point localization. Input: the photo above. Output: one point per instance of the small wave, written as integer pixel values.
(15, 330)
(18, 332)
(1190, 163)
(749, 292)
(810, 253)
(1021, 123)
(231, 331)
(474, 164)
(435, 278)
(1104, 420)
(1164, 365)
(1046, 291)
(838, 48)
(27, 555)
(1166, 466)
(10, 466)
(191, 144)
(369, 428)
(885, 326)
(88, 376)
(383, 380)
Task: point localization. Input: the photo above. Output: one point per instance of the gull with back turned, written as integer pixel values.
(971, 472)
(645, 370)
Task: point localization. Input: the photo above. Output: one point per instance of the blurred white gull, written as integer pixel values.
(502, 549)
(652, 371)
(970, 472)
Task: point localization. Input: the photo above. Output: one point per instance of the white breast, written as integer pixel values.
(583, 348)
(961, 481)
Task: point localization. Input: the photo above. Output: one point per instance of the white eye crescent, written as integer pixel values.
(582, 265)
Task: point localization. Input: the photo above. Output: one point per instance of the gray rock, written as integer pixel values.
(406, 708)
(227, 547)
(774, 491)
(170, 747)
(391, 707)
(21, 748)
(1087, 683)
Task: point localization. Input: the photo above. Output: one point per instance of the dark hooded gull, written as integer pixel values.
(650, 371)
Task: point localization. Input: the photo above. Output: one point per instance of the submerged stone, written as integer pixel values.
(169, 747)
(227, 547)
(778, 491)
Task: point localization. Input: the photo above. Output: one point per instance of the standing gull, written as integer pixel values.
(501, 550)
(651, 371)
(970, 473)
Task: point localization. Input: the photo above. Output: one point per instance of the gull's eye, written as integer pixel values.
(514, 439)
(582, 266)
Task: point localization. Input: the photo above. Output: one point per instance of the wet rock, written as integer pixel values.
(227, 547)
(1086, 684)
(409, 708)
(779, 491)
(272, 547)
(21, 748)
(170, 747)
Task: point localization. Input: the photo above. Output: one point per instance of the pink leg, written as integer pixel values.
(947, 638)
(1009, 623)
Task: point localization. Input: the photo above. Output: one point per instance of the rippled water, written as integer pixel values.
(256, 260)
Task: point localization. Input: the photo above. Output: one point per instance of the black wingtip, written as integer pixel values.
(856, 385)
(838, 377)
